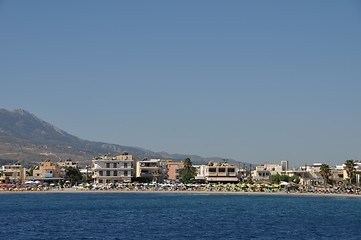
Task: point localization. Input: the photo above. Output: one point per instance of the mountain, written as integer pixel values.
(26, 138)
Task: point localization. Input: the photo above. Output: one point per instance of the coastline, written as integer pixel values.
(281, 193)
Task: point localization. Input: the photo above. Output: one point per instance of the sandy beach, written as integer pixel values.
(115, 191)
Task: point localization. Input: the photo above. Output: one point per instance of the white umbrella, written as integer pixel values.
(284, 183)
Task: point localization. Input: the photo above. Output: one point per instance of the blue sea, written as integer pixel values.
(177, 216)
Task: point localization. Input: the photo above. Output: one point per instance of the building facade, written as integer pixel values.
(109, 169)
(152, 170)
(265, 171)
(12, 173)
(173, 171)
(63, 165)
(218, 172)
(47, 169)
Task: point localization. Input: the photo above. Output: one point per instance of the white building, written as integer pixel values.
(110, 169)
(67, 163)
(265, 171)
(152, 170)
(217, 172)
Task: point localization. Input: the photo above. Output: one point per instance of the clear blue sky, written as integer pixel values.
(255, 81)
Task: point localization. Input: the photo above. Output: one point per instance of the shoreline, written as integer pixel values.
(74, 191)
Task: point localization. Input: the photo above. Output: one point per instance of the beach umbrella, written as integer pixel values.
(284, 184)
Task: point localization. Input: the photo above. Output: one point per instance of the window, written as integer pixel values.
(115, 173)
(212, 170)
(114, 165)
(108, 173)
(100, 181)
(125, 165)
(221, 170)
(108, 165)
(231, 170)
(125, 173)
(100, 173)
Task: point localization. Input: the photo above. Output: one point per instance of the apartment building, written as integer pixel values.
(152, 170)
(13, 173)
(47, 169)
(67, 163)
(173, 171)
(63, 165)
(265, 171)
(110, 169)
(218, 172)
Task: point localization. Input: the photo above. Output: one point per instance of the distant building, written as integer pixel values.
(357, 170)
(86, 172)
(67, 163)
(110, 169)
(173, 170)
(337, 173)
(265, 171)
(152, 170)
(64, 165)
(218, 172)
(284, 165)
(12, 173)
(47, 169)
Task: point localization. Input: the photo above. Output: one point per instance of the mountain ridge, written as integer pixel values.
(25, 137)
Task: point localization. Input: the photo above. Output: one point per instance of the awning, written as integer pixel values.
(223, 179)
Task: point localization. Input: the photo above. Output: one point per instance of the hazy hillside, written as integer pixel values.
(26, 138)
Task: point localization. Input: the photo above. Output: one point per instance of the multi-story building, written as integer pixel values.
(66, 164)
(13, 173)
(218, 172)
(110, 169)
(173, 170)
(47, 169)
(265, 171)
(152, 170)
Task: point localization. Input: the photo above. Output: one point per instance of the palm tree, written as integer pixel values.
(325, 172)
(349, 167)
(31, 170)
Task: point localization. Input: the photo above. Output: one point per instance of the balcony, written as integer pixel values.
(150, 174)
(212, 174)
(142, 165)
(129, 168)
(112, 177)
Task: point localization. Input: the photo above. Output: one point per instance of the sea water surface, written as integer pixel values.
(177, 216)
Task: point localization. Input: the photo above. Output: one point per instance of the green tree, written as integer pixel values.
(295, 179)
(325, 172)
(284, 178)
(275, 179)
(188, 172)
(73, 175)
(349, 167)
